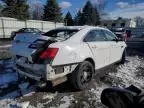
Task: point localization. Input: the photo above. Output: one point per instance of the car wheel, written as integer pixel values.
(123, 59)
(82, 75)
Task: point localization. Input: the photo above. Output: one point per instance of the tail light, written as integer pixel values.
(18, 33)
(49, 53)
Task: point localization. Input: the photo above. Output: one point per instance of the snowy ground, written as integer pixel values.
(15, 94)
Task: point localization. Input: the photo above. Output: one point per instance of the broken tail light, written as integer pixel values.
(49, 53)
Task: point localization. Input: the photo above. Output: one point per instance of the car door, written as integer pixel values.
(99, 47)
(116, 47)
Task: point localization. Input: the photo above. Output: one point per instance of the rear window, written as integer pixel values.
(61, 33)
(27, 30)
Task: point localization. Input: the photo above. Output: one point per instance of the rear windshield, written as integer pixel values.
(61, 33)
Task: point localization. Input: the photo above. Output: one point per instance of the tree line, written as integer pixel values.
(88, 15)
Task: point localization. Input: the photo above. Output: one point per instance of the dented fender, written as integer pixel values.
(71, 53)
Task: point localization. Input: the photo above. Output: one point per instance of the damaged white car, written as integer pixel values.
(67, 53)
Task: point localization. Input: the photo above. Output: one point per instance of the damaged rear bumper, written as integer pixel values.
(44, 72)
(30, 75)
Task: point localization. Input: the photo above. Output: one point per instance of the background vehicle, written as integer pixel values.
(26, 30)
(122, 33)
(72, 53)
(136, 42)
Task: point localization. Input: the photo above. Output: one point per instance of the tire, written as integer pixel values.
(82, 76)
(123, 59)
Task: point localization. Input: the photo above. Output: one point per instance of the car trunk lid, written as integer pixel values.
(30, 46)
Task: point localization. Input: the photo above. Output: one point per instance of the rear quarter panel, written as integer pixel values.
(70, 53)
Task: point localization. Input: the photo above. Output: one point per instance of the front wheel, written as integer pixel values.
(82, 75)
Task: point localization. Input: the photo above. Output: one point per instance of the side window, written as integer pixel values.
(110, 36)
(94, 35)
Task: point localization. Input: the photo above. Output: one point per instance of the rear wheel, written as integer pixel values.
(82, 75)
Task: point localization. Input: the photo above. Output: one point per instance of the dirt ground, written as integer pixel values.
(20, 94)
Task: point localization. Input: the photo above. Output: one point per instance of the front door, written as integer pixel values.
(116, 47)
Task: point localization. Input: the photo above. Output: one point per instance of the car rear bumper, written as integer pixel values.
(30, 75)
(43, 72)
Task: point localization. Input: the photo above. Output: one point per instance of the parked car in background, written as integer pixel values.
(26, 30)
(122, 33)
(136, 41)
(67, 53)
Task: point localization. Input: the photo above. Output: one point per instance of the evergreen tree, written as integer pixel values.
(89, 15)
(68, 19)
(78, 20)
(97, 16)
(1, 8)
(16, 9)
(52, 11)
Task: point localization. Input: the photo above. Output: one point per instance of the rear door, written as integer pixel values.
(99, 47)
(116, 47)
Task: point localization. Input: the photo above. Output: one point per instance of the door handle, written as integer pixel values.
(94, 46)
(122, 46)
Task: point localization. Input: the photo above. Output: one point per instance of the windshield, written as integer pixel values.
(61, 33)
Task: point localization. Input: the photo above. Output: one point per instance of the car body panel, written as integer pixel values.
(116, 50)
(71, 52)
(100, 52)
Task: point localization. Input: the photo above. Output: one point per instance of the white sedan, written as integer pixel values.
(67, 53)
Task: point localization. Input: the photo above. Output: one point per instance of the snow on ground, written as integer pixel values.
(127, 73)
(67, 101)
(6, 46)
(124, 76)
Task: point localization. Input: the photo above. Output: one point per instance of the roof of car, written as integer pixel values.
(79, 27)
(29, 28)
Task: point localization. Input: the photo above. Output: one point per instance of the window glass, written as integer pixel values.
(110, 36)
(61, 33)
(95, 35)
(36, 30)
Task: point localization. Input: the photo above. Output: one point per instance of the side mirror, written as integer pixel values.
(118, 98)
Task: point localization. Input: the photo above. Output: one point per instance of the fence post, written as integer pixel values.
(3, 28)
(42, 26)
(25, 23)
(55, 24)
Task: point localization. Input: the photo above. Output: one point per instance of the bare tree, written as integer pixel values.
(101, 4)
(36, 10)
